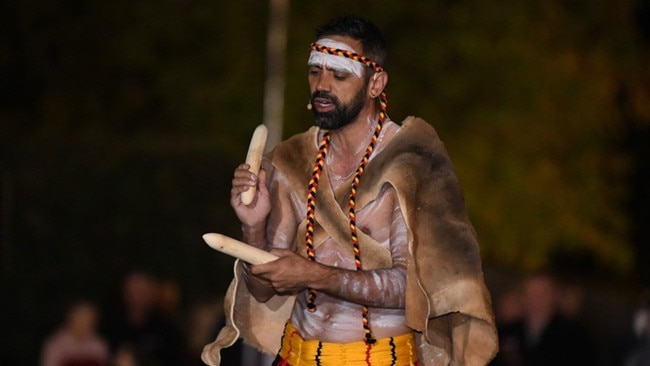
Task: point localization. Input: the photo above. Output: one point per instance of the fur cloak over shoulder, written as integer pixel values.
(447, 301)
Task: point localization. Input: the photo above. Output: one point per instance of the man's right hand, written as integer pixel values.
(253, 215)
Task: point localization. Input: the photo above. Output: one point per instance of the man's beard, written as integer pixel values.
(342, 114)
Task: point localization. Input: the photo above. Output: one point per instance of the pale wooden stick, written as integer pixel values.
(254, 159)
(238, 249)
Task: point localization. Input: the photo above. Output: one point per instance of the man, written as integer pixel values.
(378, 262)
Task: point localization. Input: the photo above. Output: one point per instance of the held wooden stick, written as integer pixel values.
(254, 159)
(238, 249)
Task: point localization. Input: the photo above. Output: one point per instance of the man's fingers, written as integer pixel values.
(242, 181)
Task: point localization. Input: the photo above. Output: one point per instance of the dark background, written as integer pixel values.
(121, 123)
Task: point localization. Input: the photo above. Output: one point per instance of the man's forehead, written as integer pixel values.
(334, 62)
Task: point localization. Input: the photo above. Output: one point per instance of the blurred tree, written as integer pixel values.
(524, 99)
(524, 94)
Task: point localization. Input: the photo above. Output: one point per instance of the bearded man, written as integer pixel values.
(378, 262)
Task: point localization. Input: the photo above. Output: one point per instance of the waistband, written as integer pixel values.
(394, 351)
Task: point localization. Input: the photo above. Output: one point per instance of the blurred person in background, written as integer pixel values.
(571, 299)
(140, 333)
(77, 342)
(633, 349)
(508, 314)
(545, 335)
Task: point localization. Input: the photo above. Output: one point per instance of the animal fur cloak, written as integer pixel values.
(447, 302)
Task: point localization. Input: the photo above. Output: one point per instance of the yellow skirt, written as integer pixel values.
(393, 351)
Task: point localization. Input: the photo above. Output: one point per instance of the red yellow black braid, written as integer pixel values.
(311, 209)
(353, 220)
(347, 54)
(318, 167)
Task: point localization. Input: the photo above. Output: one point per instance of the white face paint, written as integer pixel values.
(333, 62)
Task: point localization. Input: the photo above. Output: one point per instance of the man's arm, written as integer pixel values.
(384, 287)
(261, 289)
(275, 231)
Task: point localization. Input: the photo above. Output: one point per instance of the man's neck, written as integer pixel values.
(354, 137)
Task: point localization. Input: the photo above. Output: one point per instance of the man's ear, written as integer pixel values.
(377, 84)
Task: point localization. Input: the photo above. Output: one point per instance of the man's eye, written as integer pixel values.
(341, 75)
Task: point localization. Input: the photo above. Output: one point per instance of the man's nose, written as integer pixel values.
(324, 82)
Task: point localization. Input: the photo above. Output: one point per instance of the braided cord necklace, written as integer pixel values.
(315, 176)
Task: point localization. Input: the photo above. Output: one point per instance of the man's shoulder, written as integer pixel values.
(416, 136)
(295, 155)
(414, 154)
(417, 125)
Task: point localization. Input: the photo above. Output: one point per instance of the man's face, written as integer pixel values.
(338, 89)
(330, 113)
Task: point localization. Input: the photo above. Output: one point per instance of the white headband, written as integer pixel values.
(334, 62)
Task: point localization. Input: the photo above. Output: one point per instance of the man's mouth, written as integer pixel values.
(323, 104)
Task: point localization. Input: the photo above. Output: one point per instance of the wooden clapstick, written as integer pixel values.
(237, 249)
(254, 159)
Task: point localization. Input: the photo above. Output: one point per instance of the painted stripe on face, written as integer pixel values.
(334, 62)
